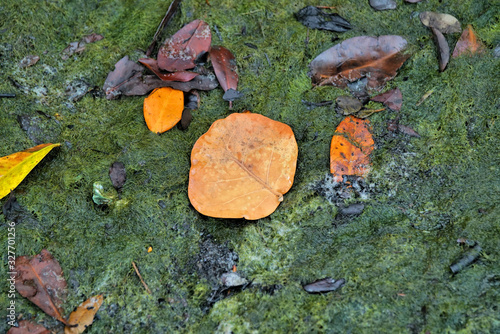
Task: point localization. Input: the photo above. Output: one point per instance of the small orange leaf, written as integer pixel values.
(83, 316)
(15, 167)
(242, 167)
(468, 43)
(163, 109)
(351, 146)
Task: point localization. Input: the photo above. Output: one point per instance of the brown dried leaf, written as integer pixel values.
(242, 167)
(181, 51)
(445, 23)
(468, 43)
(83, 316)
(40, 280)
(376, 58)
(182, 76)
(126, 75)
(29, 61)
(392, 99)
(408, 131)
(444, 49)
(28, 327)
(224, 67)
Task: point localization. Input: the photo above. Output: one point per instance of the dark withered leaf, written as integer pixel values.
(126, 74)
(314, 18)
(408, 131)
(383, 4)
(117, 174)
(186, 119)
(224, 67)
(231, 95)
(392, 99)
(443, 48)
(201, 82)
(182, 76)
(28, 327)
(182, 50)
(376, 58)
(412, 1)
(324, 285)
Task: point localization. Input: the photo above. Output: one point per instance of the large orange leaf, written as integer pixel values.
(40, 280)
(376, 58)
(242, 167)
(83, 316)
(351, 146)
(15, 167)
(163, 109)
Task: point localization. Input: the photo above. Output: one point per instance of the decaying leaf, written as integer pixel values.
(445, 23)
(126, 75)
(383, 4)
(347, 105)
(163, 109)
(78, 47)
(224, 67)
(351, 146)
(314, 18)
(28, 327)
(412, 1)
(376, 58)
(468, 43)
(117, 174)
(182, 76)
(182, 50)
(29, 61)
(40, 280)
(324, 285)
(15, 167)
(392, 99)
(242, 166)
(83, 316)
(444, 49)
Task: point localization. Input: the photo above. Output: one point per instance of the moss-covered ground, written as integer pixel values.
(422, 194)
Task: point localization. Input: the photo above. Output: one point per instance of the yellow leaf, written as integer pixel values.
(15, 167)
(83, 316)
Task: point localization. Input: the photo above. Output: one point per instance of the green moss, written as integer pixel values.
(423, 193)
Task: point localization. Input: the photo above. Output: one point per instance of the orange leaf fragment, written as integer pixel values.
(83, 316)
(242, 166)
(40, 280)
(163, 109)
(468, 43)
(351, 146)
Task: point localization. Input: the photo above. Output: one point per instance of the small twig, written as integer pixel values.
(217, 32)
(325, 7)
(140, 277)
(424, 97)
(7, 95)
(168, 15)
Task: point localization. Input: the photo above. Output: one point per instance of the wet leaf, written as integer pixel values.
(150, 82)
(408, 131)
(383, 4)
(443, 48)
(365, 113)
(347, 105)
(126, 76)
(314, 18)
(468, 43)
(163, 109)
(78, 47)
(15, 167)
(324, 285)
(242, 167)
(413, 1)
(445, 23)
(376, 58)
(29, 61)
(224, 67)
(28, 327)
(392, 99)
(117, 174)
(182, 76)
(182, 50)
(40, 280)
(350, 148)
(83, 316)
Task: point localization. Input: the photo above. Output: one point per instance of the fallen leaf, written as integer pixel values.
(408, 131)
(28, 327)
(127, 74)
(314, 18)
(392, 99)
(117, 174)
(182, 76)
(468, 43)
(412, 1)
(78, 47)
(376, 58)
(242, 166)
(163, 109)
(150, 82)
(15, 167)
(83, 316)
(28, 61)
(350, 148)
(182, 50)
(324, 285)
(224, 67)
(92, 38)
(444, 49)
(347, 105)
(40, 280)
(445, 23)
(383, 4)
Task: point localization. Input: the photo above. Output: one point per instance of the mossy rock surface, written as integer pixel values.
(421, 195)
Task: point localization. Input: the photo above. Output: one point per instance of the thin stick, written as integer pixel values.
(140, 277)
(10, 95)
(168, 15)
